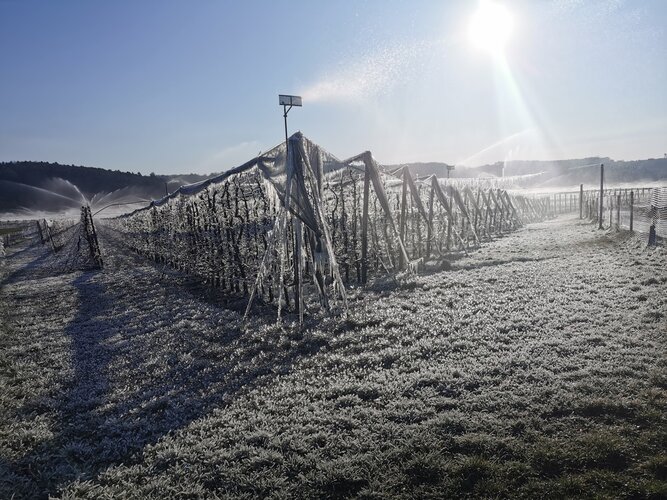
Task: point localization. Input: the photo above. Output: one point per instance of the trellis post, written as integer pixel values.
(601, 192)
(429, 228)
(364, 227)
(402, 222)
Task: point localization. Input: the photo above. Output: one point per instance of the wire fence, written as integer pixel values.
(642, 210)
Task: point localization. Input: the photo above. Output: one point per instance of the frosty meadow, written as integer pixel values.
(199, 301)
(436, 338)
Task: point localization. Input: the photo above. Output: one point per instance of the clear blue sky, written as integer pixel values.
(177, 87)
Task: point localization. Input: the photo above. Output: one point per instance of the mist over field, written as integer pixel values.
(34, 189)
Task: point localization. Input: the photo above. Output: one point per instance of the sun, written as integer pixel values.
(491, 27)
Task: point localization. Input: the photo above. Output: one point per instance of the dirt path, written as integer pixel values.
(535, 367)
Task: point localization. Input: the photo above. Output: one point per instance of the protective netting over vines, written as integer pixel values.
(297, 222)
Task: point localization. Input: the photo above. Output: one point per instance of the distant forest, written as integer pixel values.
(554, 173)
(15, 177)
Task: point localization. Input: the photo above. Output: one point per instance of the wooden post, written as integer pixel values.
(364, 228)
(618, 212)
(651, 235)
(298, 268)
(404, 199)
(429, 228)
(601, 192)
(632, 208)
(581, 201)
(50, 236)
(41, 235)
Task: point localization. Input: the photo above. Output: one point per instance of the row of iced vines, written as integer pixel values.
(221, 234)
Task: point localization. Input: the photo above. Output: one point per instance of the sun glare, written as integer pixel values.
(491, 27)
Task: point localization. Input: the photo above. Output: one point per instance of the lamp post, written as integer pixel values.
(285, 101)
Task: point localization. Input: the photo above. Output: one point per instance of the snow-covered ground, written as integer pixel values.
(533, 367)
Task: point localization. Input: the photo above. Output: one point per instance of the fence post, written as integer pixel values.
(618, 212)
(581, 201)
(632, 208)
(601, 192)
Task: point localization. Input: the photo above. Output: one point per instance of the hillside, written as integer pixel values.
(554, 173)
(52, 186)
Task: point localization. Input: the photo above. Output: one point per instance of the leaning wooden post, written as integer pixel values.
(632, 208)
(41, 235)
(581, 201)
(364, 227)
(50, 236)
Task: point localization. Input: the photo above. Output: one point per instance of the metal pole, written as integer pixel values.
(601, 191)
(286, 110)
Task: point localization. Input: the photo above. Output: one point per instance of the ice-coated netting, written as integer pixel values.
(641, 209)
(296, 222)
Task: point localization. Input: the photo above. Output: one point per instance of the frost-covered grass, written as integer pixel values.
(533, 368)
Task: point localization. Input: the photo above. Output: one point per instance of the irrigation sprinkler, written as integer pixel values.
(120, 204)
(285, 101)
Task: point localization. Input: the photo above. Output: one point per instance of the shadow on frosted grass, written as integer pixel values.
(94, 433)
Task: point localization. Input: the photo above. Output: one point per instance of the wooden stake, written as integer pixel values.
(364, 228)
(429, 226)
(401, 224)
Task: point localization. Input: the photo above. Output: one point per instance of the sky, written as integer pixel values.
(177, 87)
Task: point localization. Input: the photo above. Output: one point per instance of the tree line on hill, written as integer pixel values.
(553, 173)
(18, 178)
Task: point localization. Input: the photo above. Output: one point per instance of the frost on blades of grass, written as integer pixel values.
(533, 368)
